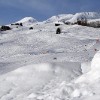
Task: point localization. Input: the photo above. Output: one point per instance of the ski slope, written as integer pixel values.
(39, 64)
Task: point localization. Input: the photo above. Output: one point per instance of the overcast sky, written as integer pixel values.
(13, 10)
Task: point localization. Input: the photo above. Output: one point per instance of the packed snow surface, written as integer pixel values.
(38, 64)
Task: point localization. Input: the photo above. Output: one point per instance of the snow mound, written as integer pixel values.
(94, 74)
(86, 87)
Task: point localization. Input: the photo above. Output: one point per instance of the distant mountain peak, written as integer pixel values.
(73, 17)
(28, 20)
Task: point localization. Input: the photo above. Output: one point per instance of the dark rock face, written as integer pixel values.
(58, 31)
(18, 24)
(4, 28)
(21, 24)
(82, 21)
(57, 24)
(68, 23)
(31, 28)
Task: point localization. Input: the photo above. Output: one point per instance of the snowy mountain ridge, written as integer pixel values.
(27, 21)
(62, 18)
(73, 17)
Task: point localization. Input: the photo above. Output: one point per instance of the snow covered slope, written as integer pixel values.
(88, 15)
(62, 17)
(27, 21)
(73, 17)
(38, 64)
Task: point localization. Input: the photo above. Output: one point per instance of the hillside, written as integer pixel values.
(73, 17)
(38, 64)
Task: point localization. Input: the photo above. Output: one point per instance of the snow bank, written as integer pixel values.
(94, 73)
(86, 87)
